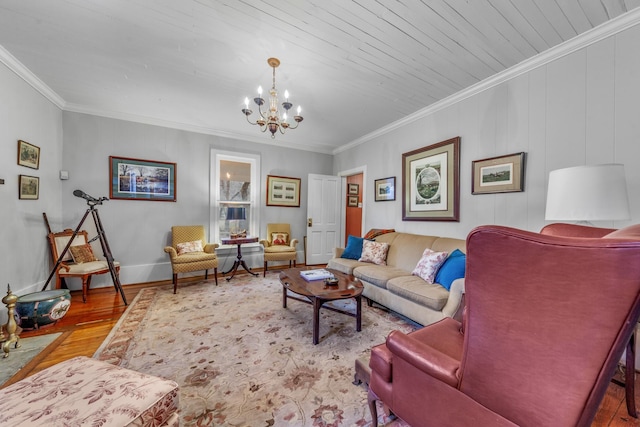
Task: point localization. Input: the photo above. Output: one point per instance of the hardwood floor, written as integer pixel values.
(85, 326)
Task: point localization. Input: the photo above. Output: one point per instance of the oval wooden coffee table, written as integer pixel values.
(316, 293)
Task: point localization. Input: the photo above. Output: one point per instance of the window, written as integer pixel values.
(235, 183)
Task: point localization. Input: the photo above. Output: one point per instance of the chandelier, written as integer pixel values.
(271, 119)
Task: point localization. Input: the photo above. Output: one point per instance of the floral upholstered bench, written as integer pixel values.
(87, 392)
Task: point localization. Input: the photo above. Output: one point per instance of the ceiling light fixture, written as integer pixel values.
(271, 119)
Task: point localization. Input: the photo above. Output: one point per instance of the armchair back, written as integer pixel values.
(546, 322)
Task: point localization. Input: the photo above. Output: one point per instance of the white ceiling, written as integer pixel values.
(354, 66)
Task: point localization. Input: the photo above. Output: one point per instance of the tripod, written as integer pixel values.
(106, 251)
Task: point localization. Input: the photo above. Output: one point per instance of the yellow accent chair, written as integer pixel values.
(189, 251)
(278, 245)
(79, 260)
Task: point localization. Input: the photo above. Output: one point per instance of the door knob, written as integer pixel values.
(310, 222)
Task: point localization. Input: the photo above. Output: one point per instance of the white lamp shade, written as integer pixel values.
(588, 193)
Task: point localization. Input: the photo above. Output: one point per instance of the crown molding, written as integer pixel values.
(23, 72)
(608, 29)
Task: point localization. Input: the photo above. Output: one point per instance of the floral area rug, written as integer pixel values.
(241, 359)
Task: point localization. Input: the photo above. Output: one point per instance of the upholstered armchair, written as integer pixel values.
(278, 245)
(189, 251)
(546, 321)
(79, 260)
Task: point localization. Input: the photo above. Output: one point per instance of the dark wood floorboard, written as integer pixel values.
(86, 325)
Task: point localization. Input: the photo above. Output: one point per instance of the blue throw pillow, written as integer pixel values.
(354, 248)
(452, 269)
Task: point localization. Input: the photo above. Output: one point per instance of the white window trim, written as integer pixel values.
(214, 189)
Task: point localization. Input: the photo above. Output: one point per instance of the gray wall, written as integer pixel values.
(576, 110)
(26, 114)
(138, 230)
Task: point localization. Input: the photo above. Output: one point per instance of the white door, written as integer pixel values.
(323, 217)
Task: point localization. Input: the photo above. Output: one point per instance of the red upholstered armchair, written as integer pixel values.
(547, 319)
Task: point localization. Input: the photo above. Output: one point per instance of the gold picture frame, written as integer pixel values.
(431, 187)
(502, 174)
(352, 201)
(283, 191)
(28, 187)
(28, 155)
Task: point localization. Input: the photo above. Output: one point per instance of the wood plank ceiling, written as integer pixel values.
(355, 66)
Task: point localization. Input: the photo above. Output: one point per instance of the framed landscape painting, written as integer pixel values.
(28, 187)
(136, 179)
(385, 189)
(431, 182)
(28, 155)
(283, 191)
(502, 174)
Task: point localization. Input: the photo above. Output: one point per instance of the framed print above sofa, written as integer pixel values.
(431, 182)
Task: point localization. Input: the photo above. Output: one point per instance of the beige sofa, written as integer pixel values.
(394, 287)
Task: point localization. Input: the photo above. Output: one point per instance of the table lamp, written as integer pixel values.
(588, 193)
(237, 214)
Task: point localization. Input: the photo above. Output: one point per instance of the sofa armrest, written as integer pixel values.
(424, 357)
(337, 252)
(454, 303)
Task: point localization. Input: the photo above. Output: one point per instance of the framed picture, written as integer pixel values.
(28, 155)
(352, 201)
(503, 174)
(353, 189)
(283, 191)
(385, 189)
(28, 187)
(136, 179)
(431, 187)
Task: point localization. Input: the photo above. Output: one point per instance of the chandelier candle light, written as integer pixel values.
(271, 119)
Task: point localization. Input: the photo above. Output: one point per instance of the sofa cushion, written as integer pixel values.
(345, 265)
(452, 269)
(375, 252)
(378, 275)
(354, 248)
(429, 264)
(415, 289)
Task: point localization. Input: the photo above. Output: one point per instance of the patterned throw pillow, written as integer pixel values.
(82, 253)
(280, 238)
(185, 248)
(428, 265)
(375, 252)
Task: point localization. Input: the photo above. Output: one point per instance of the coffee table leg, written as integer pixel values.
(317, 303)
(358, 313)
(284, 296)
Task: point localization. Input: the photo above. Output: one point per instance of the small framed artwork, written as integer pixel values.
(353, 189)
(431, 187)
(28, 155)
(283, 191)
(136, 179)
(385, 189)
(28, 187)
(503, 174)
(352, 201)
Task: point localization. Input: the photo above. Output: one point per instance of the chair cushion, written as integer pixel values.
(194, 257)
(354, 248)
(82, 253)
(375, 252)
(87, 268)
(279, 238)
(452, 269)
(187, 247)
(429, 264)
